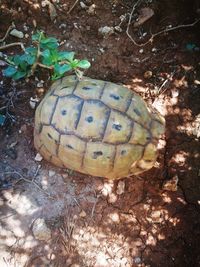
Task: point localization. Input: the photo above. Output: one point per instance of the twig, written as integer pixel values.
(165, 82)
(150, 40)
(72, 7)
(28, 181)
(7, 32)
(130, 18)
(3, 47)
(45, 66)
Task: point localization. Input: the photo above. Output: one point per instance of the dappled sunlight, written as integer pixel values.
(61, 218)
(180, 158)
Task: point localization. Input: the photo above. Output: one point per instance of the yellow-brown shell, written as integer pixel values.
(96, 127)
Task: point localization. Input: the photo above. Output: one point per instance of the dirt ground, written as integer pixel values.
(152, 220)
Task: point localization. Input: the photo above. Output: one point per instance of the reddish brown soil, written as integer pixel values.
(146, 225)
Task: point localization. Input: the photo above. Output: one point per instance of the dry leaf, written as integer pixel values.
(145, 14)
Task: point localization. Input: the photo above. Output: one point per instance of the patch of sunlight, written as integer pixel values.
(88, 241)
(166, 198)
(174, 221)
(15, 226)
(114, 217)
(180, 157)
(101, 259)
(107, 188)
(137, 80)
(161, 236)
(23, 207)
(27, 242)
(151, 240)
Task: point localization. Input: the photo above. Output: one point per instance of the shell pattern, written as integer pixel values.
(97, 128)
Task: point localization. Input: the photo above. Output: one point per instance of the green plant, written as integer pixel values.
(44, 53)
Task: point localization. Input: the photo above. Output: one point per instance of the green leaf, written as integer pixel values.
(49, 57)
(46, 57)
(31, 50)
(9, 71)
(66, 56)
(17, 59)
(28, 59)
(49, 40)
(74, 63)
(2, 119)
(19, 74)
(84, 64)
(38, 36)
(61, 69)
(49, 43)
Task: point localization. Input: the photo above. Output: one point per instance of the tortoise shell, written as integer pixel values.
(97, 128)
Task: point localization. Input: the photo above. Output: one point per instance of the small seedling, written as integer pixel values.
(44, 53)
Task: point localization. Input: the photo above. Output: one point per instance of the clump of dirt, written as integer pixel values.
(151, 220)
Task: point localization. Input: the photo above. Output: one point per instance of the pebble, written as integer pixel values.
(91, 9)
(141, 51)
(51, 173)
(83, 5)
(82, 214)
(17, 33)
(118, 28)
(106, 30)
(154, 50)
(38, 157)
(148, 74)
(40, 83)
(33, 102)
(120, 187)
(40, 230)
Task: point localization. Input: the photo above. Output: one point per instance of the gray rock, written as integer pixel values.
(40, 230)
(17, 33)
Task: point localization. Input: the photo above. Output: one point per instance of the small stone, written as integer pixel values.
(148, 74)
(91, 9)
(120, 187)
(40, 230)
(101, 50)
(154, 50)
(17, 33)
(141, 51)
(82, 214)
(26, 35)
(83, 5)
(63, 26)
(44, 3)
(33, 102)
(106, 30)
(38, 157)
(34, 23)
(51, 173)
(40, 83)
(112, 198)
(118, 28)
